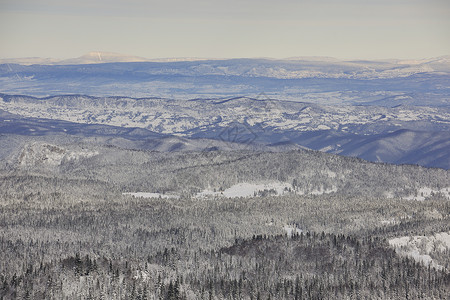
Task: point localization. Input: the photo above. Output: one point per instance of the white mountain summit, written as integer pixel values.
(96, 57)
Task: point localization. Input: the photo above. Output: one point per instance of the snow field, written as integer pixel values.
(247, 190)
(151, 195)
(420, 247)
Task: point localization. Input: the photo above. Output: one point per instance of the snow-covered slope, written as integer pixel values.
(427, 148)
(37, 154)
(422, 248)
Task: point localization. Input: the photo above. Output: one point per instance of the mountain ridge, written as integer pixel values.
(404, 134)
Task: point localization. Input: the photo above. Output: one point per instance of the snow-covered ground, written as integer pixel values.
(391, 221)
(46, 154)
(324, 191)
(426, 192)
(256, 189)
(291, 230)
(420, 247)
(152, 195)
(246, 189)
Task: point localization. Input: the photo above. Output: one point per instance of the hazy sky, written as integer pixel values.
(234, 28)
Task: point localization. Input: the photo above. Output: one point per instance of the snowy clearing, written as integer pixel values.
(248, 190)
(426, 192)
(152, 195)
(291, 230)
(46, 154)
(391, 221)
(324, 191)
(420, 247)
(275, 188)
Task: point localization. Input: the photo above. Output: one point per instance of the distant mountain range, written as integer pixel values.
(403, 134)
(96, 57)
(317, 80)
(93, 57)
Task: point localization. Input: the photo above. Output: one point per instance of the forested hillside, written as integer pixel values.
(69, 230)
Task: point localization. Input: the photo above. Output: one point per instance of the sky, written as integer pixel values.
(346, 29)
